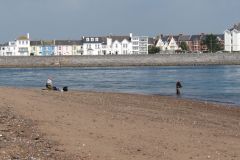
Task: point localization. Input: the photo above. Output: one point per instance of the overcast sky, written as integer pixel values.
(71, 19)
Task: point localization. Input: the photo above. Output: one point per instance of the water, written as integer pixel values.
(211, 83)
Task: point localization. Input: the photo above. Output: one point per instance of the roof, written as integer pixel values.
(165, 38)
(176, 38)
(48, 42)
(35, 43)
(94, 40)
(236, 26)
(42, 43)
(195, 38)
(68, 42)
(184, 38)
(120, 38)
(221, 36)
(4, 44)
(22, 38)
(151, 40)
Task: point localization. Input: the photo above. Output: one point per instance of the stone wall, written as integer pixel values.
(127, 60)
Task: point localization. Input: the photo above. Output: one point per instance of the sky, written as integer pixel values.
(72, 19)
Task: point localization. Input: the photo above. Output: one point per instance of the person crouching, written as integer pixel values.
(49, 84)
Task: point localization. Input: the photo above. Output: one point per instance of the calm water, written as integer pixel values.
(212, 83)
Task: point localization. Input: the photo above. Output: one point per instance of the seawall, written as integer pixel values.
(122, 60)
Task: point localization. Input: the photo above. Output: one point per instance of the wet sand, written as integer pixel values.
(110, 126)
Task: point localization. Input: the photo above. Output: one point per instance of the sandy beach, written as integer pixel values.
(41, 124)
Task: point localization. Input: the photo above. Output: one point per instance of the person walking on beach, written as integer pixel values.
(178, 86)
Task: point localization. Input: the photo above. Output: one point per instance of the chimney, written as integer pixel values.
(131, 35)
(28, 36)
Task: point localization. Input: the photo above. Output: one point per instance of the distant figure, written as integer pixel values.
(49, 84)
(178, 86)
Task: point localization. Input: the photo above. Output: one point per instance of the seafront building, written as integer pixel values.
(19, 47)
(119, 45)
(94, 45)
(139, 44)
(68, 47)
(167, 43)
(232, 39)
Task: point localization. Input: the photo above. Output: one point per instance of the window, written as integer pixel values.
(135, 38)
(116, 45)
(92, 39)
(96, 39)
(87, 39)
(135, 43)
(135, 48)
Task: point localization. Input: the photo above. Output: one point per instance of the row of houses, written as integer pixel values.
(116, 45)
(104, 45)
(194, 42)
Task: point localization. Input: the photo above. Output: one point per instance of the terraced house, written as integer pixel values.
(68, 47)
(36, 48)
(232, 39)
(119, 45)
(94, 45)
(19, 47)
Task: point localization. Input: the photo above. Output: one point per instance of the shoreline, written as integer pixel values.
(121, 60)
(106, 126)
(214, 102)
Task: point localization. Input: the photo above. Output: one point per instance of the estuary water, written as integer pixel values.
(210, 83)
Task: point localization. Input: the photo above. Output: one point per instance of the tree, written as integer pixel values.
(184, 46)
(153, 50)
(212, 43)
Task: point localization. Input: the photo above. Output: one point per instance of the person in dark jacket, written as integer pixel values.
(178, 86)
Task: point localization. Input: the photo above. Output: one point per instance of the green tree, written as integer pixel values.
(212, 43)
(153, 50)
(184, 46)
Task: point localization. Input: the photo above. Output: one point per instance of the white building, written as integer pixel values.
(23, 46)
(9, 49)
(161, 44)
(19, 47)
(119, 45)
(94, 45)
(167, 43)
(139, 44)
(232, 39)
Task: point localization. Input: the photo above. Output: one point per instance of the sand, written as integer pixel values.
(112, 126)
